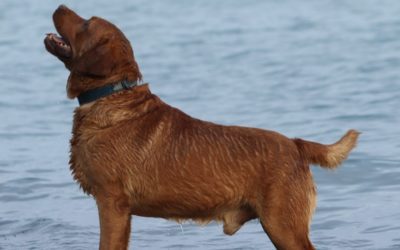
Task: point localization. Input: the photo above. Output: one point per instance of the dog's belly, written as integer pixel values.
(229, 215)
(201, 211)
(186, 204)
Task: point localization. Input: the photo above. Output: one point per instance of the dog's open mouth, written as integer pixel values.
(58, 46)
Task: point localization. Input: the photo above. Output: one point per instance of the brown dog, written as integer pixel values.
(137, 155)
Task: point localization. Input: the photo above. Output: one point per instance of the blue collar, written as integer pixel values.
(94, 94)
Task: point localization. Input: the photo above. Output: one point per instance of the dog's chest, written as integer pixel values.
(80, 164)
(95, 160)
(83, 152)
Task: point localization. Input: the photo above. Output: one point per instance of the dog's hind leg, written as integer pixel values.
(285, 238)
(286, 218)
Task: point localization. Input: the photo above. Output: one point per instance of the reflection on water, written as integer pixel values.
(306, 69)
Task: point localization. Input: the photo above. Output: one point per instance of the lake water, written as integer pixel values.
(309, 69)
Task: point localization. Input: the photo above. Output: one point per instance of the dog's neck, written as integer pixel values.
(95, 94)
(130, 104)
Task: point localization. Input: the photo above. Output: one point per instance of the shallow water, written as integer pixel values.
(306, 69)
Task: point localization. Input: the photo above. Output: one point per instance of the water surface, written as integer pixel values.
(306, 69)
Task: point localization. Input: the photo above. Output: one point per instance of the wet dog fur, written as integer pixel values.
(136, 155)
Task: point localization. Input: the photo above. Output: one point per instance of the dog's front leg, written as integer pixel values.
(115, 223)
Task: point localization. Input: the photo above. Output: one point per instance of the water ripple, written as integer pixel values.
(309, 69)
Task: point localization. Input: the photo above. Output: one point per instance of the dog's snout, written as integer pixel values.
(62, 10)
(65, 17)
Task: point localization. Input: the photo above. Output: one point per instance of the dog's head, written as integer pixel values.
(94, 50)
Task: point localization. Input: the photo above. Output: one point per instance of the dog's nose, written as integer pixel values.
(61, 10)
(62, 7)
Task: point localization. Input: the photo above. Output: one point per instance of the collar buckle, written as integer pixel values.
(125, 84)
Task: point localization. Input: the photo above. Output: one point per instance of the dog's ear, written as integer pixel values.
(98, 61)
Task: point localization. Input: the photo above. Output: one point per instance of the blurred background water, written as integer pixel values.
(309, 69)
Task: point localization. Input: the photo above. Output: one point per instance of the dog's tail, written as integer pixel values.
(327, 156)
